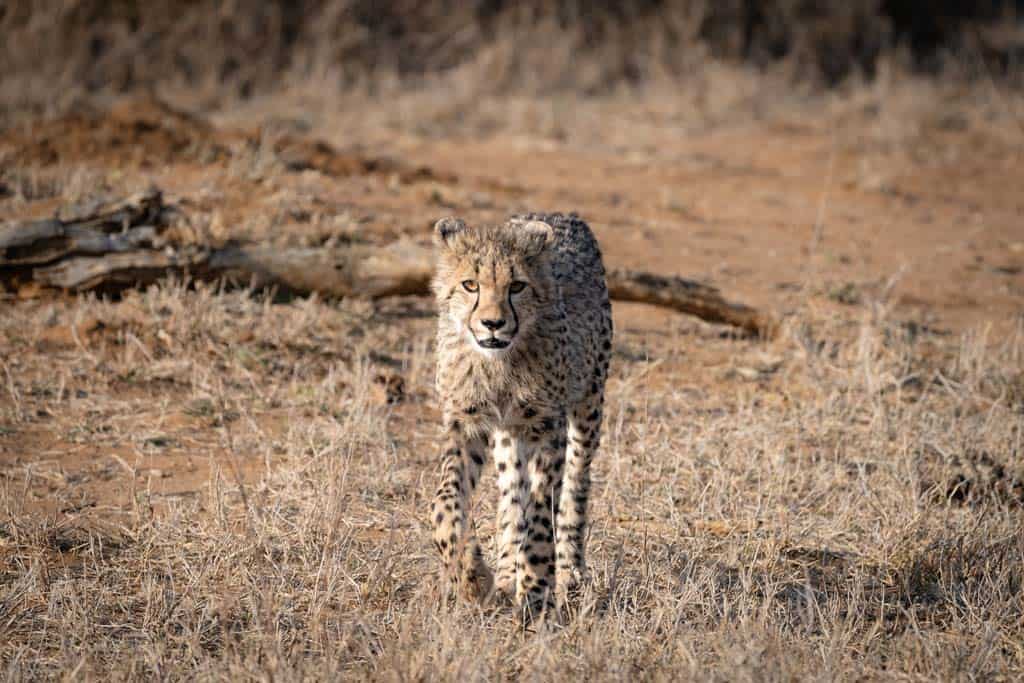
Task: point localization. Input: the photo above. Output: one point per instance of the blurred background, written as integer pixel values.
(652, 118)
(203, 482)
(224, 51)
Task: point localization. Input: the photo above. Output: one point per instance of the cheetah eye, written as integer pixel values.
(517, 287)
(469, 285)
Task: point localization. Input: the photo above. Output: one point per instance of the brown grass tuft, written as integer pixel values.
(803, 529)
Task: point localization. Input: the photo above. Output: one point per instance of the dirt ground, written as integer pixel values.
(779, 214)
(885, 230)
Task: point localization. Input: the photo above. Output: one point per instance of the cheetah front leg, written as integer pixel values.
(513, 487)
(570, 528)
(529, 479)
(454, 533)
(537, 560)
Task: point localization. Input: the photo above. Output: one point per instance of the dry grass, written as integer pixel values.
(223, 52)
(847, 505)
(198, 484)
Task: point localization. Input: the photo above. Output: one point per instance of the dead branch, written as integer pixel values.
(91, 228)
(119, 246)
(361, 270)
(688, 296)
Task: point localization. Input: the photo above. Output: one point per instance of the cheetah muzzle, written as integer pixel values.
(523, 345)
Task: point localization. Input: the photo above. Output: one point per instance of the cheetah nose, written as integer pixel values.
(493, 325)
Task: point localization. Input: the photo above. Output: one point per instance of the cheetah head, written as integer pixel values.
(492, 283)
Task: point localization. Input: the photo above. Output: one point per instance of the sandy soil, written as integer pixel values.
(783, 214)
(832, 217)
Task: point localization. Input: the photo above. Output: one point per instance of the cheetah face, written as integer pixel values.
(492, 319)
(492, 283)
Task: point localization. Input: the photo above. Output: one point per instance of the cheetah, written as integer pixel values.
(524, 339)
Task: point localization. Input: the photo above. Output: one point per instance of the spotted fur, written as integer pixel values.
(523, 345)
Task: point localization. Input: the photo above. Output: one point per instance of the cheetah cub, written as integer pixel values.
(524, 338)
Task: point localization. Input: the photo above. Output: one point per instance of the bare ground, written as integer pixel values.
(198, 483)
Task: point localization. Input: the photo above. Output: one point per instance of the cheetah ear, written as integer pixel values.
(447, 229)
(535, 236)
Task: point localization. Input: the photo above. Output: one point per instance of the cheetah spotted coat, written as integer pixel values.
(523, 346)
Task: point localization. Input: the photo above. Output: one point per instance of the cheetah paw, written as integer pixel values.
(569, 586)
(477, 583)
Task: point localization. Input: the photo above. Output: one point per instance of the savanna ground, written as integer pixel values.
(211, 483)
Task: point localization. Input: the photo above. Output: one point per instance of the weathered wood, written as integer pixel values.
(119, 246)
(688, 296)
(118, 271)
(400, 268)
(93, 229)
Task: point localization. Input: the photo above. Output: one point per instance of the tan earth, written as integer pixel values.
(779, 214)
(868, 227)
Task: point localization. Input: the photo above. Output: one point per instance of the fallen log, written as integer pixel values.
(88, 253)
(688, 296)
(360, 270)
(97, 227)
